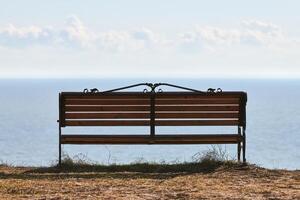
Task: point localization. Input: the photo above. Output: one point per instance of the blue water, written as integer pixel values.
(29, 132)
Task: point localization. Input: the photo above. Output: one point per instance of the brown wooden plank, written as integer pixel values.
(147, 115)
(197, 101)
(147, 101)
(146, 122)
(166, 95)
(146, 139)
(107, 108)
(147, 108)
(197, 108)
(108, 96)
(196, 122)
(114, 139)
(107, 101)
(179, 115)
(107, 123)
(148, 142)
(141, 95)
(107, 115)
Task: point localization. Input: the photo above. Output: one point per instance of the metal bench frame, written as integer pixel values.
(239, 138)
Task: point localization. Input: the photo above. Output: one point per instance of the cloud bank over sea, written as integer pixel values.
(75, 34)
(251, 48)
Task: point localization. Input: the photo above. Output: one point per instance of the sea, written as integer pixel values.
(29, 128)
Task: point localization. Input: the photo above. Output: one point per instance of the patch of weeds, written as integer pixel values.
(77, 162)
(207, 161)
(4, 164)
(216, 153)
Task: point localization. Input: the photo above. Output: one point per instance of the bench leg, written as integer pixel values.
(59, 155)
(244, 152)
(239, 145)
(239, 151)
(59, 147)
(244, 146)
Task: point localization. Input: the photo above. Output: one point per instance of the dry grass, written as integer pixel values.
(210, 176)
(227, 180)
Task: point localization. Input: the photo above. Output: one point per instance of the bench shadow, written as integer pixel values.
(130, 171)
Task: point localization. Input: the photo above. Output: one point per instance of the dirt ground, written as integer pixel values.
(246, 182)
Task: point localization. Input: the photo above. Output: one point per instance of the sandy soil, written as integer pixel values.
(235, 183)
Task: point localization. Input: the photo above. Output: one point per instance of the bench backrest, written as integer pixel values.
(152, 109)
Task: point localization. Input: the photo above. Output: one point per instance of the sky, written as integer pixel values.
(139, 38)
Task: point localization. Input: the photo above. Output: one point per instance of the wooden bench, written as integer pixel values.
(154, 108)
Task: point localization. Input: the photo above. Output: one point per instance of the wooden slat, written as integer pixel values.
(196, 122)
(108, 96)
(107, 123)
(197, 95)
(107, 108)
(177, 101)
(107, 101)
(107, 115)
(106, 138)
(146, 139)
(177, 115)
(147, 108)
(141, 95)
(147, 101)
(196, 108)
(146, 122)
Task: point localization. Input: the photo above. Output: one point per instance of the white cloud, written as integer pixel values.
(251, 33)
(263, 33)
(218, 36)
(117, 41)
(129, 40)
(261, 26)
(75, 49)
(74, 34)
(144, 35)
(25, 36)
(208, 38)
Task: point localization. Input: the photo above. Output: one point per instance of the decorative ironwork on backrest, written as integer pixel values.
(153, 87)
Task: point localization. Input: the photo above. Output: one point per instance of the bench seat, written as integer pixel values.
(157, 139)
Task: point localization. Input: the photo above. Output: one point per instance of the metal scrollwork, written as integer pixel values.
(93, 90)
(212, 90)
(219, 90)
(153, 88)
